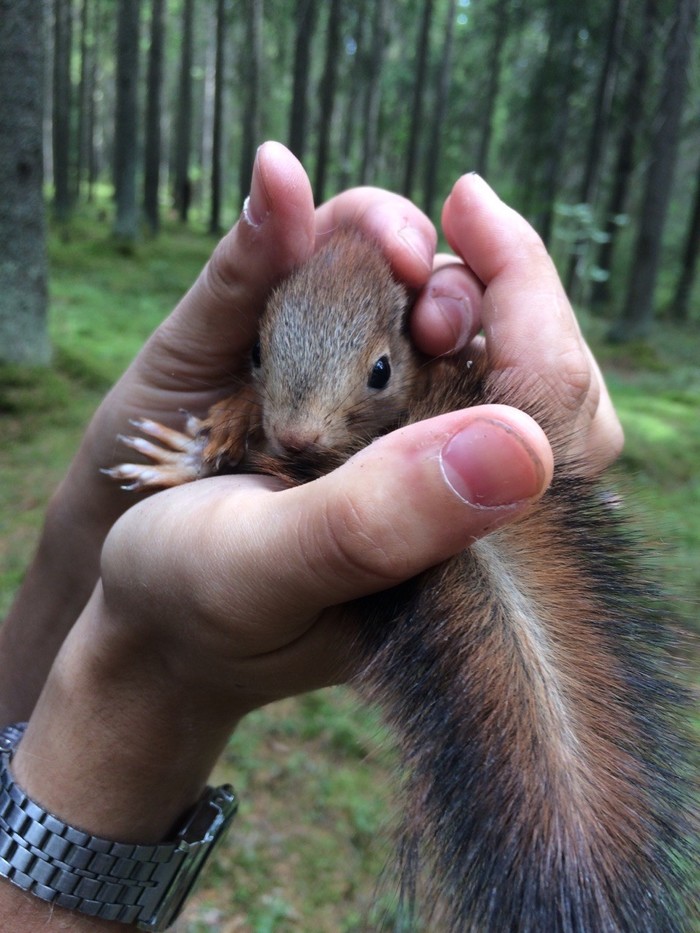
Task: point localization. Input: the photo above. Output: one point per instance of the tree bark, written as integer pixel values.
(327, 96)
(23, 265)
(551, 165)
(352, 99)
(599, 129)
(251, 81)
(182, 190)
(152, 145)
(93, 159)
(494, 58)
(638, 311)
(372, 97)
(217, 120)
(689, 263)
(416, 125)
(440, 108)
(633, 113)
(62, 95)
(85, 92)
(306, 13)
(544, 118)
(126, 122)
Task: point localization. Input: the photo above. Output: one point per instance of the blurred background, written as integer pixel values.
(127, 134)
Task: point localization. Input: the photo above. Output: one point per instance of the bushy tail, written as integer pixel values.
(546, 770)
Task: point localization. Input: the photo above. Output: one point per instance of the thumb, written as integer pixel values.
(405, 503)
(238, 552)
(243, 573)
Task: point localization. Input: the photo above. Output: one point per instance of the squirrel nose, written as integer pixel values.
(295, 442)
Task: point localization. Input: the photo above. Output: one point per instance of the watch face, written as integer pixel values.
(203, 830)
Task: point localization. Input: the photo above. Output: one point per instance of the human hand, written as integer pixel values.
(200, 351)
(507, 287)
(192, 360)
(237, 581)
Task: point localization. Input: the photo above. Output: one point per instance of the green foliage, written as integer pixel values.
(578, 233)
(523, 89)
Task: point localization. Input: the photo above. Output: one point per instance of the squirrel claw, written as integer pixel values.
(176, 457)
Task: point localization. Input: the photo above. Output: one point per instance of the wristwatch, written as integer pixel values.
(145, 885)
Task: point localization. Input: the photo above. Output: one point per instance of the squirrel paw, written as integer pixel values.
(176, 458)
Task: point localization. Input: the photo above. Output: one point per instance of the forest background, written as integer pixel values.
(127, 134)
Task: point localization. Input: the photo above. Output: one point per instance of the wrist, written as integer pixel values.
(68, 867)
(115, 744)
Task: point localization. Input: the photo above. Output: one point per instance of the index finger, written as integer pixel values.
(406, 236)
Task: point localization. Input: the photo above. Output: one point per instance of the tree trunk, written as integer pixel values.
(85, 92)
(681, 298)
(306, 12)
(182, 190)
(494, 58)
(373, 99)
(638, 311)
(327, 96)
(542, 122)
(217, 120)
(599, 130)
(23, 265)
(251, 81)
(152, 145)
(440, 108)
(416, 126)
(551, 167)
(93, 161)
(62, 94)
(633, 113)
(126, 122)
(353, 81)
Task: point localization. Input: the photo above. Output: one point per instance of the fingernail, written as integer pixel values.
(416, 242)
(455, 311)
(256, 206)
(488, 465)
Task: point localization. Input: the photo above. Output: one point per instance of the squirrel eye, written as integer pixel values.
(255, 354)
(381, 371)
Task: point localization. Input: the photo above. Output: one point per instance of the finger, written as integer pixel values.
(528, 320)
(405, 235)
(406, 502)
(526, 316)
(447, 313)
(214, 324)
(254, 569)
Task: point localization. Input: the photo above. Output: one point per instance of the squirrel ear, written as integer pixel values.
(407, 300)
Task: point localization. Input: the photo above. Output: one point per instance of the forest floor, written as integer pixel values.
(312, 773)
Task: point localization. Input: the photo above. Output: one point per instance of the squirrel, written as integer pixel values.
(546, 775)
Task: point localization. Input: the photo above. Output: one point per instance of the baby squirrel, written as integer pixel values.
(546, 773)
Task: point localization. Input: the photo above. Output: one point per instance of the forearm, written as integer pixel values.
(115, 742)
(63, 572)
(54, 592)
(115, 746)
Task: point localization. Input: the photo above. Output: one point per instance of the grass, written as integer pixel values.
(312, 772)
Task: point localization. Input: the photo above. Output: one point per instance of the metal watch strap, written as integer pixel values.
(135, 884)
(10, 735)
